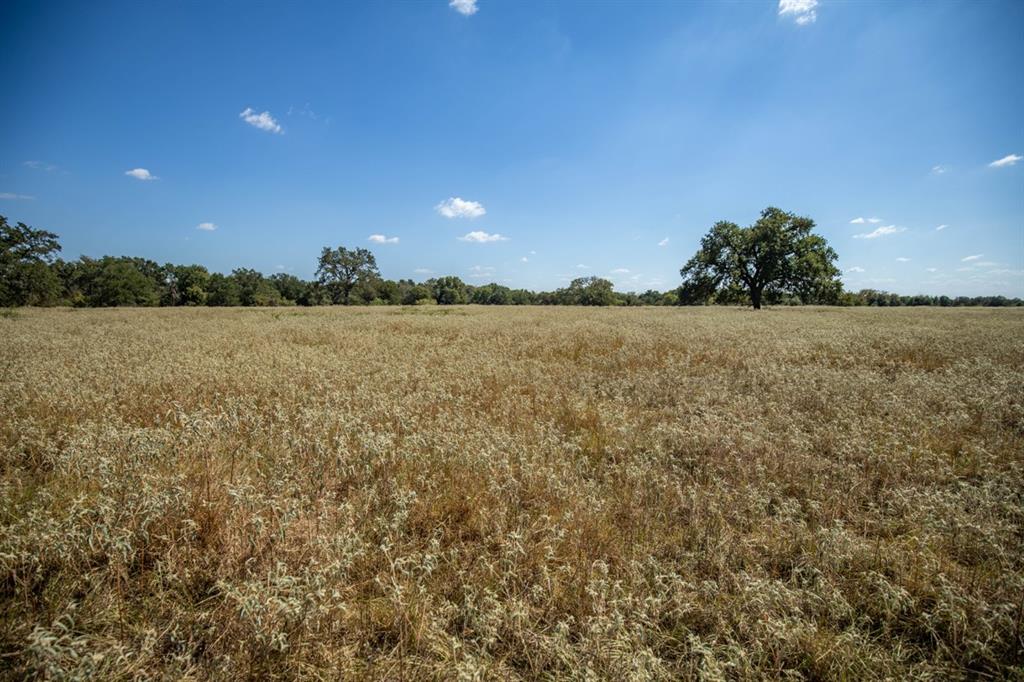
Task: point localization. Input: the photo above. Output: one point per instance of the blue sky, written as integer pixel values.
(593, 138)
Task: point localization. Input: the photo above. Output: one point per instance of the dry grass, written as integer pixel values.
(512, 493)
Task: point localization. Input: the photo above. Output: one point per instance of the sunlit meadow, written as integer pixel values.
(512, 493)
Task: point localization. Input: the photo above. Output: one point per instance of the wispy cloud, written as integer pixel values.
(481, 271)
(423, 271)
(15, 196)
(39, 165)
(802, 11)
(942, 227)
(855, 268)
(931, 269)
(880, 232)
(263, 121)
(581, 266)
(141, 174)
(940, 169)
(481, 237)
(968, 259)
(455, 207)
(206, 227)
(902, 259)
(524, 259)
(1008, 160)
(464, 7)
(620, 271)
(663, 242)
(381, 239)
(858, 221)
(306, 112)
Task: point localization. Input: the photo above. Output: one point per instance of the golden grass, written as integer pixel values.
(512, 493)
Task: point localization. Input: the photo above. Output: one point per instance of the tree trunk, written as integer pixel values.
(755, 298)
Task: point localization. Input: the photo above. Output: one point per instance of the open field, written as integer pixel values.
(512, 493)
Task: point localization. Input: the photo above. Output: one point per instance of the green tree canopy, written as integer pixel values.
(589, 291)
(223, 290)
(291, 288)
(341, 269)
(779, 254)
(185, 285)
(449, 290)
(123, 281)
(25, 257)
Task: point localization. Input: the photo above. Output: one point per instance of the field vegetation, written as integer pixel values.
(511, 493)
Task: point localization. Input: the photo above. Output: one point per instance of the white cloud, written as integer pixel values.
(481, 237)
(381, 239)
(454, 207)
(874, 221)
(305, 111)
(803, 11)
(464, 7)
(620, 271)
(880, 232)
(942, 227)
(902, 259)
(663, 242)
(968, 259)
(858, 221)
(262, 121)
(986, 264)
(207, 227)
(524, 259)
(855, 268)
(939, 169)
(932, 269)
(581, 266)
(39, 165)
(12, 195)
(1008, 160)
(423, 271)
(141, 174)
(481, 271)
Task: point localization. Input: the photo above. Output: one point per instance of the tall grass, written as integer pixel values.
(512, 494)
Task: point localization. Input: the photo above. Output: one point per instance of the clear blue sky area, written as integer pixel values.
(519, 142)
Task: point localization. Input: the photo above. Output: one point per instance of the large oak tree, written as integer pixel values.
(779, 254)
(25, 257)
(341, 269)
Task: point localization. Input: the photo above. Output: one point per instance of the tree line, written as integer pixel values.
(31, 273)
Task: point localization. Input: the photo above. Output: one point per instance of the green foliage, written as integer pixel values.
(111, 281)
(777, 255)
(412, 294)
(291, 288)
(124, 282)
(254, 289)
(185, 285)
(340, 270)
(777, 260)
(491, 294)
(448, 290)
(25, 274)
(223, 291)
(589, 291)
